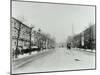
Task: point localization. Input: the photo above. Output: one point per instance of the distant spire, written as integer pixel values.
(72, 29)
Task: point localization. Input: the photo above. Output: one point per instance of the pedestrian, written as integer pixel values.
(69, 49)
(68, 46)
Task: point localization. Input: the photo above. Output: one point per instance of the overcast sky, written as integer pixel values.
(55, 19)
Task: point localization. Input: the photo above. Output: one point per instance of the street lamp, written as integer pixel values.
(30, 39)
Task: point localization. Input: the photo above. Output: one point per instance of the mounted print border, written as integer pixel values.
(50, 37)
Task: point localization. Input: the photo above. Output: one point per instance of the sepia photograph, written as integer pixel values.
(52, 37)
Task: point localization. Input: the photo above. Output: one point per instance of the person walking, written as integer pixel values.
(69, 51)
(69, 46)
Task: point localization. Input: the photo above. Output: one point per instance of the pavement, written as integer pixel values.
(55, 60)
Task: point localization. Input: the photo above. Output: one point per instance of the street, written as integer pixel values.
(55, 60)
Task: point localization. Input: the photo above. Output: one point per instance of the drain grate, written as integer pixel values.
(76, 59)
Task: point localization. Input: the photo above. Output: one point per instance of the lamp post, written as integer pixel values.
(30, 39)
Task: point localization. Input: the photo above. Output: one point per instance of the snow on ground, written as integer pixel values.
(27, 54)
(59, 59)
(24, 55)
(89, 50)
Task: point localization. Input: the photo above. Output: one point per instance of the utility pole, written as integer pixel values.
(30, 39)
(72, 30)
(72, 43)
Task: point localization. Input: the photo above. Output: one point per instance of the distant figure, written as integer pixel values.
(68, 46)
(69, 51)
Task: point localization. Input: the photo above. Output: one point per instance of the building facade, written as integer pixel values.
(20, 35)
(85, 39)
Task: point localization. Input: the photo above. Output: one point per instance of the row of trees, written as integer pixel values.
(43, 40)
(25, 38)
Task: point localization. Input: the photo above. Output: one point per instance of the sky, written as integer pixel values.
(56, 19)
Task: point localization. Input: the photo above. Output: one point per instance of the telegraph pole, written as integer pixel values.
(72, 35)
(30, 39)
(72, 30)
